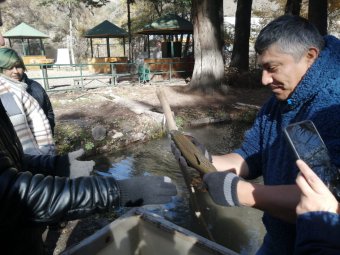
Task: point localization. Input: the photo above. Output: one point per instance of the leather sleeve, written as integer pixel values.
(38, 199)
(47, 165)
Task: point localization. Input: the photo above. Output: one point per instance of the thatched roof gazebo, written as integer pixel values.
(26, 32)
(107, 30)
(168, 26)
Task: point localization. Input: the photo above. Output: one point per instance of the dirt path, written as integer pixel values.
(131, 114)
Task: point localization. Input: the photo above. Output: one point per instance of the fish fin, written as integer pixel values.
(198, 161)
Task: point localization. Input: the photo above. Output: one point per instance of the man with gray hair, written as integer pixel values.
(302, 70)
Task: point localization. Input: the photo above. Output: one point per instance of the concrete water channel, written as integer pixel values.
(241, 228)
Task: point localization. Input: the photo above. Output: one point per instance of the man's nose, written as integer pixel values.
(266, 78)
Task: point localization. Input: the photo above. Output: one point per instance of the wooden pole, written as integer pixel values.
(124, 46)
(186, 175)
(166, 109)
(91, 44)
(108, 46)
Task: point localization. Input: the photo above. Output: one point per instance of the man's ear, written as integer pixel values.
(312, 55)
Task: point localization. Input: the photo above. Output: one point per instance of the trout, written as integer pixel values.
(191, 153)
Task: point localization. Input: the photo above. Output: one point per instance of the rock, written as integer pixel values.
(117, 135)
(99, 133)
(138, 137)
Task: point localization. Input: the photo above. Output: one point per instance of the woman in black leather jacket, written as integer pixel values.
(28, 198)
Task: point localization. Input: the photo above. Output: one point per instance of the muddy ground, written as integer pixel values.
(106, 119)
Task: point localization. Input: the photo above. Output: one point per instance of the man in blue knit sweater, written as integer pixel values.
(302, 70)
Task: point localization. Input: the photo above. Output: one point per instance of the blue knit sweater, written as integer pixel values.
(318, 234)
(267, 153)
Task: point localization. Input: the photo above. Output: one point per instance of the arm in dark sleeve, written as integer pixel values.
(48, 109)
(38, 92)
(317, 233)
(47, 164)
(37, 199)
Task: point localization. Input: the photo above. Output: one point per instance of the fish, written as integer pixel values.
(191, 153)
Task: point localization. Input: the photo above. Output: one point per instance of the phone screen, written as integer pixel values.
(308, 145)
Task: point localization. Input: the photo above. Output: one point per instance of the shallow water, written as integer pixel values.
(241, 229)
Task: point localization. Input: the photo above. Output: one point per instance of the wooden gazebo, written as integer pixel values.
(107, 30)
(26, 33)
(168, 26)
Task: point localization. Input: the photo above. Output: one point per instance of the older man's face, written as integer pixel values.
(281, 72)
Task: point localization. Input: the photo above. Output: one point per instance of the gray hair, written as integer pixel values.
(293, 35)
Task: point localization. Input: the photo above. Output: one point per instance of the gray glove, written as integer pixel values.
(178, 155)
(144, 190)
(79, 168)
(222, 187)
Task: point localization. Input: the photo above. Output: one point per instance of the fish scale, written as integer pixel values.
(191, 153)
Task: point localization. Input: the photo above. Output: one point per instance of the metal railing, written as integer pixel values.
(79, 76)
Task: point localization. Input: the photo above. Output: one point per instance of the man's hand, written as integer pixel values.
(222, 187)
(315, 196)
(178, 155)
(143, 190)
(79, 168)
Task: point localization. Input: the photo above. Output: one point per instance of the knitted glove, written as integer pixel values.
(79, 168)
(222, 187)
(144, 190)
(178, 155)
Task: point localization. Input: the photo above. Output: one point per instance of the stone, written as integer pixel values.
(99, 133)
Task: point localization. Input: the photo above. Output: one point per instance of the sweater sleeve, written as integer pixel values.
(250, 149)
(318, 233)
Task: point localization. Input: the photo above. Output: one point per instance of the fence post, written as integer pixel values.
(81, 76)
(113, 73)
(43, 68)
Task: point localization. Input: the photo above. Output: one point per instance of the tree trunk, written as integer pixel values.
(71, 35)
(208, 71)
(71, 43)
(129, 2)
(293, 7)
(240, 55)
(317, 14)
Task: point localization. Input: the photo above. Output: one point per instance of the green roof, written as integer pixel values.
(168, 24)
(106, 29)
(24, 31)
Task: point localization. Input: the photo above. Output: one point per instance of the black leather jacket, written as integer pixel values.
(28, 197)
(39, 94)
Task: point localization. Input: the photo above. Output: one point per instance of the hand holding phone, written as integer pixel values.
(308, 145)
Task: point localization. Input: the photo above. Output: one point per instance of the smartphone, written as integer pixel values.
(308, 145)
